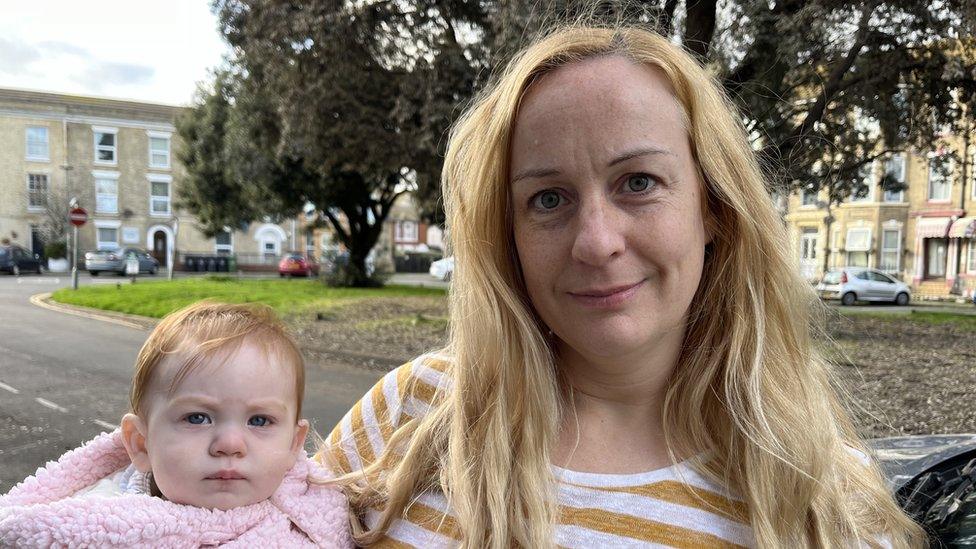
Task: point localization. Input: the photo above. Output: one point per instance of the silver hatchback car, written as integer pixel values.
(852, 284)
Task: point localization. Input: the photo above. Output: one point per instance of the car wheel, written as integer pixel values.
(447, 277)
(281, 275)
(93, 273)
(15, 271)
(848, 299)
(901, 299)
(153, 271)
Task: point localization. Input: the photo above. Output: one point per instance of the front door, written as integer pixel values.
(935, 257)
(37, 241)
(808, 253)
(159, 250)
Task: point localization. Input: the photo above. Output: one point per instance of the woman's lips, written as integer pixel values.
(606, 298)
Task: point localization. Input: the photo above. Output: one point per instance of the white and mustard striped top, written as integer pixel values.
(670, 507)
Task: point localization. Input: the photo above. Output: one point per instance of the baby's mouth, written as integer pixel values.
(226, 474)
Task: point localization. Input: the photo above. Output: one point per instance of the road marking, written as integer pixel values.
(51, 405)
(39, 300)
(6, 387)
(106, 425)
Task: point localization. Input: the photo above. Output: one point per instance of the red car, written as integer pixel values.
(296, 264)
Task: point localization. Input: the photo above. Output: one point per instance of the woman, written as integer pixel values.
(629, 358)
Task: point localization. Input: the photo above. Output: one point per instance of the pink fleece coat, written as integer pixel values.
(42, 512)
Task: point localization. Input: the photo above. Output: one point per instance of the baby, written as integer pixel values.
(211, 453)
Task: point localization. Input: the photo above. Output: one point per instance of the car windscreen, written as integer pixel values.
(3, 252)
(833, 277)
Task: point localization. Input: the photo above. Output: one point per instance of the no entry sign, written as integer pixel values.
(78, 216)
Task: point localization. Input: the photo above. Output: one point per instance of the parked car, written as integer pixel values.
(114, 261)
(442, 269)
(933, 478)
(296, 264)
(15, 260)
(853, 284)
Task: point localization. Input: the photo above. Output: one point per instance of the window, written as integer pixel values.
(808, 197)
(858, 246)
(107, 194)
(108, 238)
(940, 178)
(225, 242)
(269, 246)
(37, 144)
(159, 150)
(159, 195)
(37, 187)
(890, 250)
(972, 256)
(406, 231)
(865, 190)
(106, 145)
(895, 169)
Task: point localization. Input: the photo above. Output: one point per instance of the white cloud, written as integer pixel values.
(117, 48)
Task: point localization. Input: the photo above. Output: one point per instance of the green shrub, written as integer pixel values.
(56, 250)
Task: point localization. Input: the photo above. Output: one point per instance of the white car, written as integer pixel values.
(442, 269)
(852, 284)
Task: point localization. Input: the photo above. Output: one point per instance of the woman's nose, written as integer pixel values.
(229, 441)
(599, 233)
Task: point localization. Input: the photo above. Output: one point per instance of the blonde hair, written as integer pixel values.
(208, 332)
(748, 388)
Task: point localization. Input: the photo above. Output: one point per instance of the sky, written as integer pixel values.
(127, 49)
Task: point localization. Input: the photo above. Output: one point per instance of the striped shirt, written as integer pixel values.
(670, 507)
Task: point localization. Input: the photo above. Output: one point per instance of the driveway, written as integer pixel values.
(64, 378)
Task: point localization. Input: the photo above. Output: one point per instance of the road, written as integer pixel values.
(64, 378)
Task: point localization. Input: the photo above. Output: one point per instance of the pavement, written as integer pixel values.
(64, 376)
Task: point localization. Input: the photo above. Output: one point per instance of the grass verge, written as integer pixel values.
(961, 321)
(288, 297)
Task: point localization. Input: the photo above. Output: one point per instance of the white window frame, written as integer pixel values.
(869, 196)
(150, 135)
(47, 144)
(47, 191)
(157, 178)
(972, 256)
(107, 224)
(96, 130)
(847, 241)
(896, 249)
(226, 248)
(403, 235)
(952, 169)
(900, 176)
(804, 192)
(97, 175)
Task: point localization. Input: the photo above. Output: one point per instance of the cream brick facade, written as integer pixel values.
(117, 158)
(924, 235)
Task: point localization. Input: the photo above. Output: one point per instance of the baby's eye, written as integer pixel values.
(197, 418)
(259, 421)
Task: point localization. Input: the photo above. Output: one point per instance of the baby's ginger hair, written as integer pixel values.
(208, 332)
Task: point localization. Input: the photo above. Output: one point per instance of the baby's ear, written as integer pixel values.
(134, 439)
(300, 435)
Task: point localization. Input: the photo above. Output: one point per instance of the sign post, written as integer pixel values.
(78, 217)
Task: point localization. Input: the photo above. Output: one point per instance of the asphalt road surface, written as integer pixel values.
(64, 378)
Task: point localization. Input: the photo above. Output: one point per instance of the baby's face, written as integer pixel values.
(227, 435)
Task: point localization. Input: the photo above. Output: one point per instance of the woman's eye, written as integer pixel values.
(197, 419)
(259, 421)
(547, 200)
(639, 183)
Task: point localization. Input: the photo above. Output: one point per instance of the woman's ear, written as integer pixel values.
(134, 439)
(300, 435)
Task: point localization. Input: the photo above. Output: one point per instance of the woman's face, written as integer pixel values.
(607, 207)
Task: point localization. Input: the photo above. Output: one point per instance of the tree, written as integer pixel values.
(342, 105)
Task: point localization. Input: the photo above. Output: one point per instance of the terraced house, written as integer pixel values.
(924, 235)
(116, 158)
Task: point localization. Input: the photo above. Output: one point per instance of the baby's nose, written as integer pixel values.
(228, 441)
